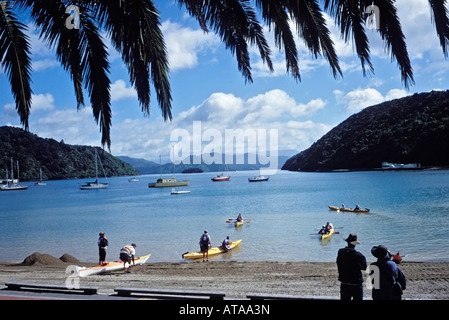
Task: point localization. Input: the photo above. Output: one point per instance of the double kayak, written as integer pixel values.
(325, 236)
(107, 267)
(213, 251)
(366, 210)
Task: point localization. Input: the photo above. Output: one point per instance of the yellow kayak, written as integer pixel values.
(239, 223)
(213, 251)
(366, 210)
(331, 232)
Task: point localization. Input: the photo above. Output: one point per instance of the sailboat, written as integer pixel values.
(13, 186)
(40, 183)
(96, 185)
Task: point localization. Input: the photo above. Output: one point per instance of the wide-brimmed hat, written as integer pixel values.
(352, 239)
(380, 252)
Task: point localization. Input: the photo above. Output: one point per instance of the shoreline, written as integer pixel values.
(425, 280)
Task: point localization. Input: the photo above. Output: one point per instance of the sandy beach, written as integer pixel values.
(425, 280)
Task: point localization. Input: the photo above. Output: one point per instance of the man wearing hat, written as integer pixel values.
(391, 279)
(350, 264)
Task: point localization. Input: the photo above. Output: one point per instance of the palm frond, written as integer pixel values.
(348, 15)
(441, 21)
(135, 31)
(15, 60)
(391, 32)
(312, 29)
(51, 21)
(275, 16)
(236, 23)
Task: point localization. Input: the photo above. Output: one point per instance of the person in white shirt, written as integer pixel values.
(127, 254)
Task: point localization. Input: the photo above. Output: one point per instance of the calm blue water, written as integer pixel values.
(410, 214)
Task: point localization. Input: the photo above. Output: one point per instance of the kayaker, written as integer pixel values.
(357, 207)
(205, 244)
(102, 246)
(325, 229)
(127, 254)
(391, 281)
(350, 264)
(239, 218)
(225, 244)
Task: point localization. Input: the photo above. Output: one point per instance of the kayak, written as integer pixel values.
(239, 223)
(109, 266)
(213, 251)
(366, 210)
(331, 232)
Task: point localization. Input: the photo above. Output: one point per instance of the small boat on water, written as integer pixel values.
(366, 210)
(133, 180)
(96, 185)
(11, 184)
(329, 234)
(40, 182)
(258, 179)
(107, 267)
(213, 251)
(168, 182)
(174, 191)
(221, 178)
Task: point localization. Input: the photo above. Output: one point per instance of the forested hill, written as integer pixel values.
(56, 159)
(414, 129)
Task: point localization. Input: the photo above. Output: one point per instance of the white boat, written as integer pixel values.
(13, 186)
(133, 180)
(258, 178)
(40, 183)
(174, 191)
(96, 185)
(107, 267)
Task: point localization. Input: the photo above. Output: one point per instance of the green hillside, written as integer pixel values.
(57, 159)
(414, 129)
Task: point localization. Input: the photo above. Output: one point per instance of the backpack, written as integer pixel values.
(205, 239)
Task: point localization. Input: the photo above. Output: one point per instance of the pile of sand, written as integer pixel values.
(44, 259)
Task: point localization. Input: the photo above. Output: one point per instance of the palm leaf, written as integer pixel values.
(275, 16)
(134, 28)
(391, 32)
(15, 60)
(312, 28)
(441, 21)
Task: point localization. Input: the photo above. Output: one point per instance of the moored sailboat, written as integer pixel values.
(96, 185)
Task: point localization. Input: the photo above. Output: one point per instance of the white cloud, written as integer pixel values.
(42, 102)
(358, 99)
(184, 45)
(119, 91)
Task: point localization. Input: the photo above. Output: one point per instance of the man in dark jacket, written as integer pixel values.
(391, 279)
(350, 264)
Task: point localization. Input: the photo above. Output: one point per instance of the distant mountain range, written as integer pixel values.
(150, 167)
(413, 129)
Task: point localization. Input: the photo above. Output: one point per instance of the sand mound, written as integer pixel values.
(43, 259)
(67, 258)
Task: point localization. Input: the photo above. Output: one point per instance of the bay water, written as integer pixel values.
(409, 213)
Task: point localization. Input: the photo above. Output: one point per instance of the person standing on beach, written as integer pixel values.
(205, 244)
(391, 281)
(350, 264)
(127, 254)
(102, 246)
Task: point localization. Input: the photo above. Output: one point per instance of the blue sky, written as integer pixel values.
(207, 87)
